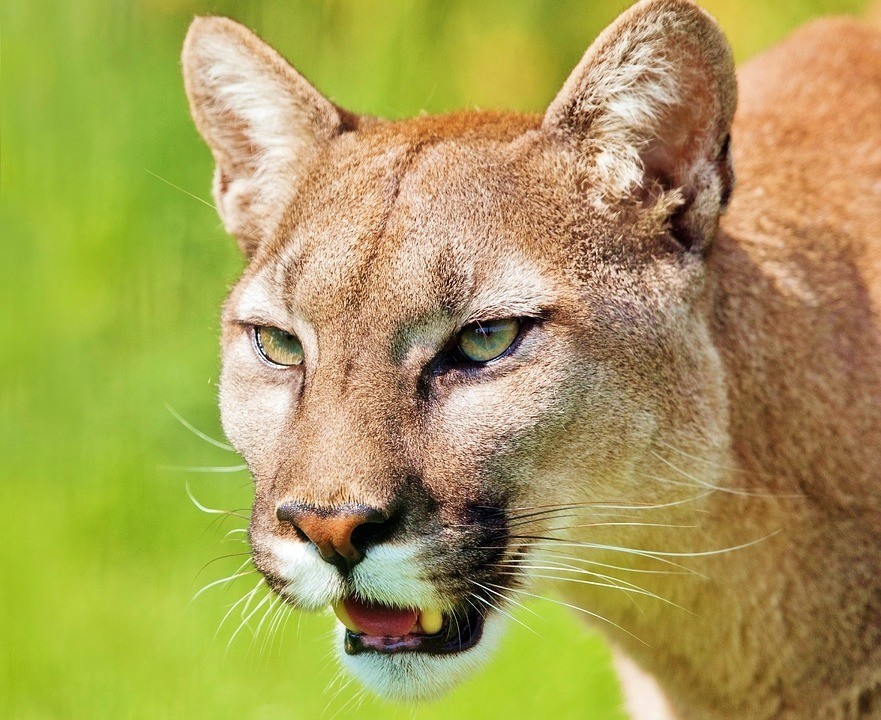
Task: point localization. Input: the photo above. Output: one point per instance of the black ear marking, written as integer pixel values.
(725, 168)
(681, 230)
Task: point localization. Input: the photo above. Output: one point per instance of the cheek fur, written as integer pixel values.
(254, 412)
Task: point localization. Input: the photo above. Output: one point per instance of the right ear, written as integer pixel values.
(651, 105)
(262, 120)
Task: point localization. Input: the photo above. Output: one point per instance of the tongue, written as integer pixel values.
(380, 620)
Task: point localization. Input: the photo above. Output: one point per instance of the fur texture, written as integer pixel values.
(692, 411)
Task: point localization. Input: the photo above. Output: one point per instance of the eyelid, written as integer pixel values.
(256, 321)
(526, 314)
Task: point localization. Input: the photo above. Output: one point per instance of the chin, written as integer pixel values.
(416, 675)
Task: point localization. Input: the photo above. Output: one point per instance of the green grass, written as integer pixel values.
(110, 287)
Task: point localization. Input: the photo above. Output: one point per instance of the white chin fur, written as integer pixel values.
(419, 676)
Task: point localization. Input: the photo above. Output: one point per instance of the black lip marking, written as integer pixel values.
(459, 633)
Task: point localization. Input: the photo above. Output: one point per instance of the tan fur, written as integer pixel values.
(690, 386)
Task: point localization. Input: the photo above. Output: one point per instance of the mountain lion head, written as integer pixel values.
(456, 333)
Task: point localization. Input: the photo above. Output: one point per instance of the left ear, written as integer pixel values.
(262, 120)
(651, 104)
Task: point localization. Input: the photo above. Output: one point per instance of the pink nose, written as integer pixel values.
(341, 533)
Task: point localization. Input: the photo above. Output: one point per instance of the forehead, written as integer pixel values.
(416, 223)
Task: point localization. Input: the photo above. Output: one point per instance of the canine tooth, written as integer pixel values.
(339, 610)
(431, 621)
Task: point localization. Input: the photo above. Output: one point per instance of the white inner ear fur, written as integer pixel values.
(654, 95)
(262, 120)
(627, 102)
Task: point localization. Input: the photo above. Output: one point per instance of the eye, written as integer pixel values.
(485, 341)
(277, 346)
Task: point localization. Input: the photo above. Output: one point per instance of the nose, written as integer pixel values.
(341, 534)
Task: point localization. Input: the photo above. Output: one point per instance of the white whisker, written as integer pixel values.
(556, 554)
(223, 557)
(238, 602)
(222, 581)
(731, 491)
(211, 511)
(269, 610)
(246, 618)
(506, 598)
(177, 187)
(497, 608)
(612, 584)
(552, 542)
(577, 608)
(198, 433)
(612, 524)
(205, 468)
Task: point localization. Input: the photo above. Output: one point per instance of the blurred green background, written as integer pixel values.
(110, 287)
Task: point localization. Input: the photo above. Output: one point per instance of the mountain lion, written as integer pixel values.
(480, 352)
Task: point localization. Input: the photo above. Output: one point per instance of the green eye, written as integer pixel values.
(277, 346)
(485, 341)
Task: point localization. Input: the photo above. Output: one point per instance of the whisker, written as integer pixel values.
(238, 602)
(521, 567)
(289, 612)
(560, 515)
(247, 618)
(504, 612)
(626, 587)
(205, 468)
(515, 515)
(222, 557)
(505, 598)
(720, 551)
(613, 524)
(337, 678)
(642, 506)
(345, 706)
(559, 566)
(550, 505)
(578, 609)
(458, 628)
(241, 540)
(594, 583)
(269, 611)
(284, 610)
(558, 554)
(557, 542)
(212, 511)
(238, 573)
(176, 187)
(731, 491)
(198, 433)
(699, 459)
(659, 555)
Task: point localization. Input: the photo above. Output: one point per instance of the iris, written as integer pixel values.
(485, 341)
(277, 346)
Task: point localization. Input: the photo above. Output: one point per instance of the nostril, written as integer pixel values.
(374, 531)
(303, 537)
(340, 533)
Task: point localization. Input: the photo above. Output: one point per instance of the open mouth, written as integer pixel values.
(371, 627)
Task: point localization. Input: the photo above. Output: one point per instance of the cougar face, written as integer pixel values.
(391, 469)
(453, 329)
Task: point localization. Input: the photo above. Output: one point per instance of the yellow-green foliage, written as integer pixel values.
(110, 287)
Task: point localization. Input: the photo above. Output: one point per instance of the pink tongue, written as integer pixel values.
(380, 620)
